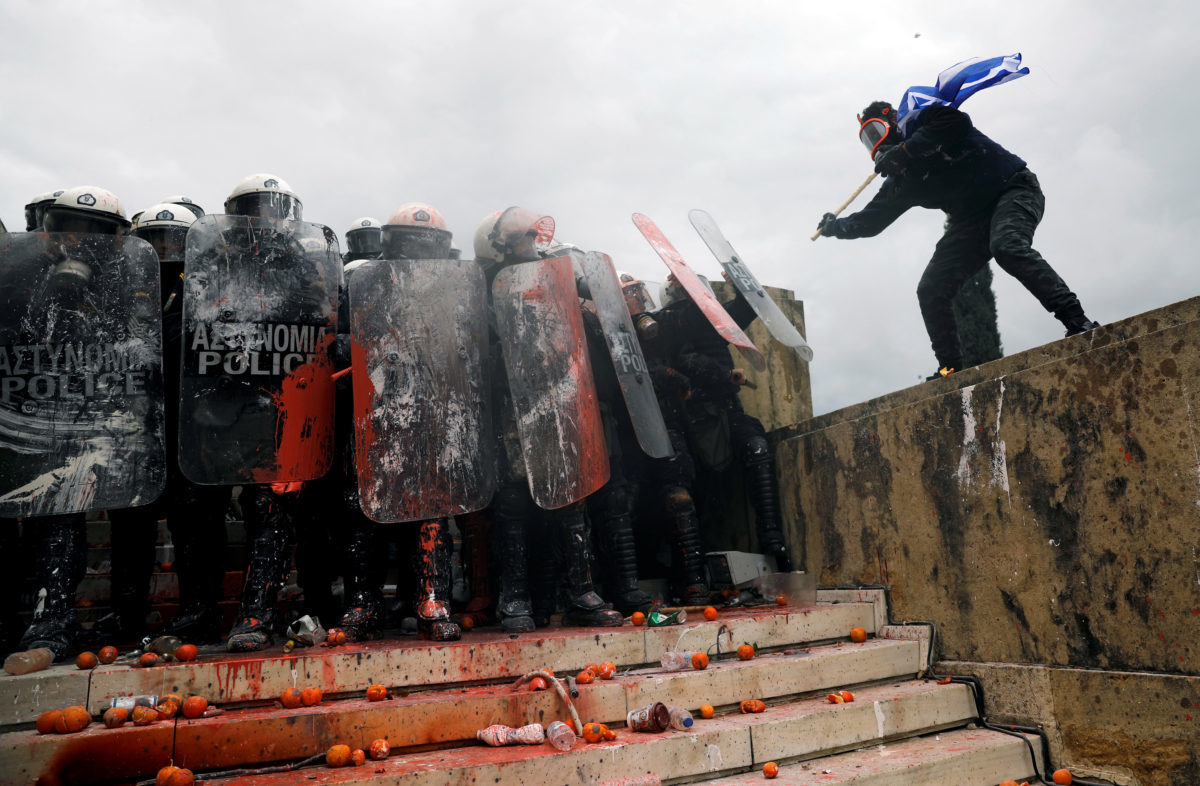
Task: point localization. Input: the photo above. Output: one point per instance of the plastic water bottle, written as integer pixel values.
(28, 661)
(560, 735)
(681, 719)
(676, 661)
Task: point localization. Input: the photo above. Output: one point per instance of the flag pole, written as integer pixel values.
(850, 199)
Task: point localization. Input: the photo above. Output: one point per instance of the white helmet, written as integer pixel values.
(266, 196)
(513, 235)
(86, 209)
(180, 199)
(416, 230)
(35, 210)
(674, 292)
(165, 226)
(366, 222)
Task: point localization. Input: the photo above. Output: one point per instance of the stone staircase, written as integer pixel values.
(900, 729)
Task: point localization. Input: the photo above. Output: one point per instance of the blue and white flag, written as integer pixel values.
(956, 84)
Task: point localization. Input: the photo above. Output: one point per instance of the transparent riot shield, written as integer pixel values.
(81, 386)
(423, 437)
(553, 392)
(259, 316)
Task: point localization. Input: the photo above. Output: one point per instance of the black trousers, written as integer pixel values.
(968, 244)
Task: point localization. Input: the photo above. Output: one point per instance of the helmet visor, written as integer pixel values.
(168, 242)
(66, 220)
(364, 241)
(637, 298)
(405, 242)
(872, 133)
(265, 204)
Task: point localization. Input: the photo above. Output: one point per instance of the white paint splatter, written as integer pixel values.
(970, 443)
(879, 720)
(713, 754)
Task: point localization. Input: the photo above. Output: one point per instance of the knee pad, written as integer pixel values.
(757, 451)
(677, 499)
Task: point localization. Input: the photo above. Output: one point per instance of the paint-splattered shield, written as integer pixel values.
(626, 355)
(771, 315)
(423, 434)
(546, 360)
(81, 387)
(259, 317)
(702, 295)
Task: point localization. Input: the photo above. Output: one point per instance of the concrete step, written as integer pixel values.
(948, 758)
(725, 744)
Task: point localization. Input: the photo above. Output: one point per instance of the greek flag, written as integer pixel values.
(956, 84)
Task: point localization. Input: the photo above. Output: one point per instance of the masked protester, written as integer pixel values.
(993, 204)
(60, 542)
(561, 536)
(364, 239)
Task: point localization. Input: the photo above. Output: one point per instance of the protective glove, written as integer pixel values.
(828, 225)
(892, 161)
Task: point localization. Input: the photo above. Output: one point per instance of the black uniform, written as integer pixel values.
(993, 205)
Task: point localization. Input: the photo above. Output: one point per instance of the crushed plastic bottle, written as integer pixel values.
(561, 736)
(676, 661)
(499, 735)
(681, 719)
(28, 661)
(656, 619)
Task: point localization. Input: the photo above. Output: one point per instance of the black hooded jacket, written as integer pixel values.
(955, 168)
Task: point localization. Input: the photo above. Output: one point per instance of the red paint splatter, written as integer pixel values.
(304, 426)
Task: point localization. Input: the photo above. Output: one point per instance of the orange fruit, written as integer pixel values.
(608, 670)
(47, 721)
(186, 652)
(338, 756)
(169, 705)
(745, 652)
(585, 677)
(752, 705)
(699, 660)
(290, 698)
(148, 659)
(194, 706)
(107, 654)
(164, 775)
(143, 716)
(467, 622)
(592, 732)
(707, 711)
(835, 698)
(1063, 777)
(86, 660)
(846, 695)
(781, 600)
(537, 683)
(1009, 782)
(639, 618)
(376, 693)
(609, 735)
(379, 750)
(358, 757)
(115, 717)
(594, 668)
(858, 635)
(770, 770)
(710, 613)
(73, 719)
(181, 777)
(310, 696)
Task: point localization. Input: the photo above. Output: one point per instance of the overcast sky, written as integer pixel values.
(590, 111)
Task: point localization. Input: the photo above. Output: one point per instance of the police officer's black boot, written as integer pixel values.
(197, 524)
(688, 546)
(269, 533)
(363, 617)
(545, 567)
(763, 489)
(510, 514)
(132, 537)
(585, 607)
(475, 535)
(432, 567)
(61, 561)
(621, 558)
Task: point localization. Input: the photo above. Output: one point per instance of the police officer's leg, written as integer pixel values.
(960, 253)
(196, 518)
(269, 531)
(750, 441)
(132, 537)
(1014, 220)
(60, 544)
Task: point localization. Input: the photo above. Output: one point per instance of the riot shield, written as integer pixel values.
(704, 298)
(423, 436)
(771, 315)
(259, 315)
(626, 354)
(546, 361)
(81, 386)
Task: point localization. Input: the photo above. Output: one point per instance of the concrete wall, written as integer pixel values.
(1044, 511)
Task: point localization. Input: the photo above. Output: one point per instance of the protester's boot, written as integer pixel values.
(266, 573)
(61, 561)
(510, 514)
(1074, 320)
(585, 608)
(688, 546)
(763, 489)
(432, 567)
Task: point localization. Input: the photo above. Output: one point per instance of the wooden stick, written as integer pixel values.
(850, 199)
